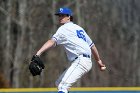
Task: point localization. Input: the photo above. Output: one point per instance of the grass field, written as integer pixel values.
(75, 90)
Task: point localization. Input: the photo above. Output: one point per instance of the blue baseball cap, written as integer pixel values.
(64, 10)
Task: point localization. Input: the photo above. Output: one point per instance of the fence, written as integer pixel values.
(75, 90)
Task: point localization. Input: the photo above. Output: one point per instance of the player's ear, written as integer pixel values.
(68, 17)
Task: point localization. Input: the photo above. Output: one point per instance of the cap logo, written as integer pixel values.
(61, 9)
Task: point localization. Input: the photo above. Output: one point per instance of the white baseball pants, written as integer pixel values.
(77, 69)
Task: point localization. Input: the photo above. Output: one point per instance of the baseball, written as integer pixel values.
(103, 68)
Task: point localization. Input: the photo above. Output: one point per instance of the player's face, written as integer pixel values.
(63, 18)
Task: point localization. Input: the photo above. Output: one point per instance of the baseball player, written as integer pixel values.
(78, 47)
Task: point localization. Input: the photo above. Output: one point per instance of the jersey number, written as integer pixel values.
(80, 34)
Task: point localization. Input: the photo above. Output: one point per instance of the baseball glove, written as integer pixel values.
(36, 65)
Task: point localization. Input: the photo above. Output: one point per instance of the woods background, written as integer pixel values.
(25, 25)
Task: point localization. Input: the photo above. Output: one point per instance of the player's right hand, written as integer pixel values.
(103, 68)
(101, 65)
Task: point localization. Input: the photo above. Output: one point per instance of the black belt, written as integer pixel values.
(84, 55)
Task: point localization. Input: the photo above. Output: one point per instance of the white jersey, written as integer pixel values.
(74, 39)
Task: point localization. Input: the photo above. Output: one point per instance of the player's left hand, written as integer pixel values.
(36, 65)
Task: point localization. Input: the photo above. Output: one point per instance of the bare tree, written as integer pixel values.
(8, 48)
(113, 25)
(20, 44)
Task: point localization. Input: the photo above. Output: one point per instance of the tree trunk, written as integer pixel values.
(20, 44)
(7, 51)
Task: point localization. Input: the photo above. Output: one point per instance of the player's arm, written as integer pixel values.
(36, 64)
(97, 57)
(46, 46)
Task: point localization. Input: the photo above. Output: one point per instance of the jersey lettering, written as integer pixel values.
(80, 34)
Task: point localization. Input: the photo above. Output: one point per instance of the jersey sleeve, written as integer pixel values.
(89, 41)
(59, 36)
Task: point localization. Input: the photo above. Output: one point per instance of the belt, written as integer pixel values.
(84, 55)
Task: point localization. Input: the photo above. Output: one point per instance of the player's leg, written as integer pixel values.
(72, 74)
(64, 89)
